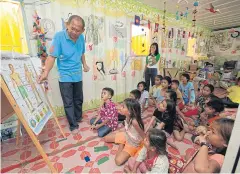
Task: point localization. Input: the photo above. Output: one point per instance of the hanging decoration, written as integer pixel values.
(137, 20)
(164, 17)
(177, 13)
(39, 35)
(212, 9)
(195, 4)
(186, 13)
(235, 34)
(182, 0)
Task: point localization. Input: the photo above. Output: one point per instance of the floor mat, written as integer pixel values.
(68, 156)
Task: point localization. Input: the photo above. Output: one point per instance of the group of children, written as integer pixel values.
(178, 111)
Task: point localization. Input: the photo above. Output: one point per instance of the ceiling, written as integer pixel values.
(228, 17)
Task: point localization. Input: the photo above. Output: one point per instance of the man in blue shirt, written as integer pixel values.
(68, 48)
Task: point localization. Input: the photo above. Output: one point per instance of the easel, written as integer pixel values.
(22, 120)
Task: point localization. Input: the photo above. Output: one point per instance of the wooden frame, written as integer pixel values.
(21, 120)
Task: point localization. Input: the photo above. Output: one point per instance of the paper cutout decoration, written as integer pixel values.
(115, 39)
(114, 77)
(137, 20)
(124, 74)
(133, 74)
(94, 77)
(136, 65)
(212, 9)
(156, 28)
(191, 47)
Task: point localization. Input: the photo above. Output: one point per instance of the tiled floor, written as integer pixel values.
(68, 156)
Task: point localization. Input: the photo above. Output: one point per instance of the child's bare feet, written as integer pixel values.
(185, 128)
(126, 169)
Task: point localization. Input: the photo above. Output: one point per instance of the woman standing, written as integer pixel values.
(151, 65)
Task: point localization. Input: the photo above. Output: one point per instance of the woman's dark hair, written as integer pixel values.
(156, 51)
(172, 95)
(159, 77)
(225, 127)
(186, 75)
(171, 107)
(158, 139)
(136, 93)
(143, 83)
(134, 109)
(211, 87)
(169, 80)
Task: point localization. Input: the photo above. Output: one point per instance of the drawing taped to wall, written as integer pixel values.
(117, 29)
(140, 40)
(94, 29)
(21, 79)
(100, 69)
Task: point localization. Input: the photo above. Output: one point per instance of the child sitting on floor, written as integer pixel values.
(154, 89)
(142, 86)
(134, 94)
(131, 139)
(207, 91)
(233, 95)
(174, 86)
(166, 84)
(212, 110)
(107, 120)
(218, 137)
(164, 116)
(152, 157)
(187, 89)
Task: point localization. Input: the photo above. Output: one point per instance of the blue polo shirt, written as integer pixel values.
(68, 55)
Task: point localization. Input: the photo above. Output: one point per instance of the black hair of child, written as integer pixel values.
(136, 93)
(186, 75)
(159, 77)
(172, 95)
(216, 104)
(169, 80)
(158, 139)
(211, 87)
(109, 90)
(143, 83)
(176, 82)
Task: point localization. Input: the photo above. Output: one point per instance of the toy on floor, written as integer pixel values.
(200, 130)
(87, 159)
(103, 160)
(100, 148)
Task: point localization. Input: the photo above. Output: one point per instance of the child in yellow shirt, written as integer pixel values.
(233, 96)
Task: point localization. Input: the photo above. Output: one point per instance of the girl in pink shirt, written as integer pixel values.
(217, 139)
